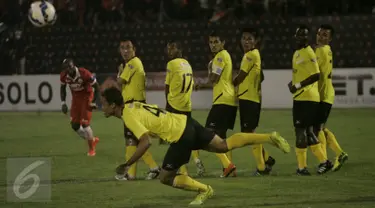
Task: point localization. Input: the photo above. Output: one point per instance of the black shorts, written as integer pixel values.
(249, 115)
(324, 110)
(194, 137)
(169, 108)
(128, 135)
(304, 113)
(221, 117)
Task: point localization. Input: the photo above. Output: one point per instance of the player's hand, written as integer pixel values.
(122, 169)
(64, 108)
(292, 88)
(93, 106)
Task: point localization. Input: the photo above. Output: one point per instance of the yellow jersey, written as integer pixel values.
(134, 74)
(326, 90)
(223, 90)
(305, 65)
(250, 88)
(180, 80)
(141, 118)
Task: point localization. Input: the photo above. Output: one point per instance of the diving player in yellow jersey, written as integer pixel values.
(327, 94)
(179, 87)
(304, 87)
(249, 93)
(184, 135)
(132, 79)
(222, 115)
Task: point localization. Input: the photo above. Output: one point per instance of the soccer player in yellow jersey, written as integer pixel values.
(184, 135)
(179, 87)
(249, 81)
(304, 87)
(327, 94)
(132, 79)
(222, 115)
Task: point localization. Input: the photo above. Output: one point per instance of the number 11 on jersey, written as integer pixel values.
(186, 78)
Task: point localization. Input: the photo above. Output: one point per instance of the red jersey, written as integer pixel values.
(81, 83)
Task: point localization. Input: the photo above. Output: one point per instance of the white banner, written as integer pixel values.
(355, 88)
(31, 93)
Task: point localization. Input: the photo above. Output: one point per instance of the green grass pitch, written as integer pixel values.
(81, 181)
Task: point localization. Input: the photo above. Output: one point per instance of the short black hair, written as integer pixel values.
(113, 96)
(177, 43)
(304, 27)
(131, 39)
(252, 31)
(328, 27)
(215, 33)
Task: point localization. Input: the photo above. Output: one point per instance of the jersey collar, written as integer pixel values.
(76, 76)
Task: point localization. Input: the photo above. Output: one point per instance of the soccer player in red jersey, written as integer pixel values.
(84, 89)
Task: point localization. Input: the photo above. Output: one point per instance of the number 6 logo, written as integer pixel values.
(23, 177)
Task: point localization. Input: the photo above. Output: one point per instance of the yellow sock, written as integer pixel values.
(189, 184)
(129, 151)
(224, 159)
(332, 142)
(242, 139)
(318, 152)
(195, 155)
(229, 155)
(265, 154)
(301, 157)
(183, 170)
(323, 142)
(258, 155)
(149, 160)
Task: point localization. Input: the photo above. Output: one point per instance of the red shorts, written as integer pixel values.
(80, 111)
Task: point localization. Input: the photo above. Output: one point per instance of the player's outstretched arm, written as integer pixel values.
(64, 107)
(143, 145)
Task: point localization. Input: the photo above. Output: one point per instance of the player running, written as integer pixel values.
(84, 89)
(249, 81)
(222, 115)
(178, 89)
(304, 87)
(327, 94)
(132, 79)
(184, 135)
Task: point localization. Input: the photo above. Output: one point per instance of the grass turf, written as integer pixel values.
(81, 181)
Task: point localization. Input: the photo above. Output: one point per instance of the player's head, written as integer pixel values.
(324, 34)
(68, 65)
(216, 42)
(249, 38)
(112, 102)
(302, 35)
(174, 49)
(127, 48)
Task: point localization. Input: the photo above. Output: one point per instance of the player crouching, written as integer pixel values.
(84, 89)
(184, 135)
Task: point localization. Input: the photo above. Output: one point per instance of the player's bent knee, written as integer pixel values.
(75, 126)
(311, 137)
(166, 177)
(217, 145)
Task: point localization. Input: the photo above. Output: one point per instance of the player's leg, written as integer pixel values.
(300, 130)
(195, 153)
(341, 156)
(215, 123)
(178, 155)
(86, 115)
(249, 118)
(318, 127)
(312, 140)
(75, 118)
